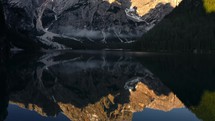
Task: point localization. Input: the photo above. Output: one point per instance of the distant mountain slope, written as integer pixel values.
(60, 24)
(189, 28)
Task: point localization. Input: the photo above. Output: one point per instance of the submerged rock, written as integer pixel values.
(63, 24)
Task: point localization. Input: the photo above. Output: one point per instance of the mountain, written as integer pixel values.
(60, 24)
(190, 27)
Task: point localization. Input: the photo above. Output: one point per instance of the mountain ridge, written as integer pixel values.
(96, 21)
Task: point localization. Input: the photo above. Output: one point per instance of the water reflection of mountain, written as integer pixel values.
(191, 77)
(86, 86)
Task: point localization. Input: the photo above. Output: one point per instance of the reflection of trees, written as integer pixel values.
(206, 108)
(191, 77)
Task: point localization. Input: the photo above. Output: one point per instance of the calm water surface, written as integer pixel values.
(107, 85)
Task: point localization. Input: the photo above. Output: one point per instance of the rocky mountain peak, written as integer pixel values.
(84, 21)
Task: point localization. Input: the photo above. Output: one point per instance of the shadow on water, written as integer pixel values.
(99, 85)
(191, 77)
(4, 100)
(3, 92)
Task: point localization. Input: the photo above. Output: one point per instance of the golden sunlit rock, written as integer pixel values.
(111, 1)
(144, 6)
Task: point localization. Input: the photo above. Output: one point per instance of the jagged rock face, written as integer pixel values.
(85, 20)
(88, 87)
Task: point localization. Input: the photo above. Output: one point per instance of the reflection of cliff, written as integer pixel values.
(111, 107)
(89, 87)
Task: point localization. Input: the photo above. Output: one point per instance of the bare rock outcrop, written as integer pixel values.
(61, 23)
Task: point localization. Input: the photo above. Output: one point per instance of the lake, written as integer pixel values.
(107, 85)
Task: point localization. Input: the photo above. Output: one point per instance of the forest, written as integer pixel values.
(189, 28)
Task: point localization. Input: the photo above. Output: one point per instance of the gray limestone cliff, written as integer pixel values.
(58, 23)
